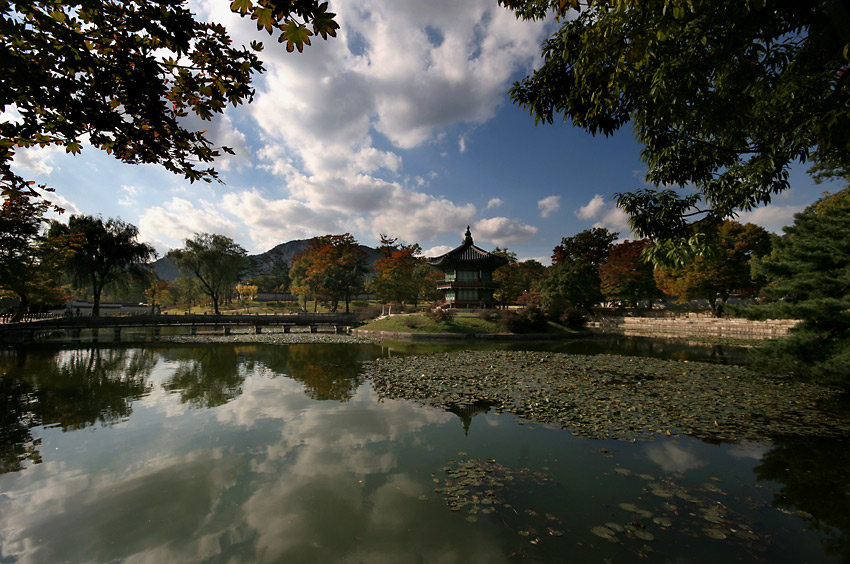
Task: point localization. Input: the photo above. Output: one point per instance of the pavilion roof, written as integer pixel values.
(468, 254)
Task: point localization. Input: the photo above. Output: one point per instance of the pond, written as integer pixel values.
(241, 452)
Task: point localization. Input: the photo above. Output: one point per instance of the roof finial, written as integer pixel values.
(467, 237)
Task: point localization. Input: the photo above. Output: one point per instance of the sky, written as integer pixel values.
(401, 125)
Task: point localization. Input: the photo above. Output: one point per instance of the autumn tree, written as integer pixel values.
(809, 279)
(516, 278)
(215, 260)
(401, 274)
(246, 292)
(715, 276)
(573, 279)
(723, 96)
(124, 76)
(332, 268)
(159, 293)
(108, 253)
(626, 276)
(30, 261)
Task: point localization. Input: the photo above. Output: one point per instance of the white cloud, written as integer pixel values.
(607, 215)
(36, 160)
(494, 203)
(129, 197)
(549, 205)
(402, 69)
(166, 226)
(593, 208)
(502, 231)
(772, 217)
(436, 251)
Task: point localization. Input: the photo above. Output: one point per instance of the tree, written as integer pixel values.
(715, 276)
(809, 274)
(246, 292)
(29, 260)
(215, 260)
(724, 97)
(515, 278)
(399, 276)
(626, 276)
(159, 292)
(573, 279)
(188, 290)
(124, 75)
(108, 253)
(332, 268)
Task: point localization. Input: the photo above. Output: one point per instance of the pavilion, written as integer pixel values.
(468, 275)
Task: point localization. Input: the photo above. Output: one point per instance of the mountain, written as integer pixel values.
(264, 262)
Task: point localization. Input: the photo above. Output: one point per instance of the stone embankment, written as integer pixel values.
(693, 325)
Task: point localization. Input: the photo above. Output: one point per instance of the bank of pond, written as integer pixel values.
(609, 449)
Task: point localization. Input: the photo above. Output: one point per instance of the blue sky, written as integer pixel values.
(402, 126)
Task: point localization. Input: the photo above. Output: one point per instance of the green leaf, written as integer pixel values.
(323, 22)
(296, 36)
(241, 6)
(264, 17)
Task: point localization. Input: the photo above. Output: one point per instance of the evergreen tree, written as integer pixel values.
(809, 270)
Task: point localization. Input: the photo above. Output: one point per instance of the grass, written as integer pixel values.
(457, 324)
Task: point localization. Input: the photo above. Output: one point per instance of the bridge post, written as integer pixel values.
(193, 330)
(286, 328)
(226, 330)
(258, 329)
(156, 332)
(314, 328)
(75, 333)
(116, 334)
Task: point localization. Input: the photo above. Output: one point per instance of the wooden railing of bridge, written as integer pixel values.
(28, 331)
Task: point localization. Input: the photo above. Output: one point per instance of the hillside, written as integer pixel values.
(263, 262)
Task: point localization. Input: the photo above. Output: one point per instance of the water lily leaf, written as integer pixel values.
(644, 535)
(602, 531)
(714, 534)
(615, 527)
(623, 471)
(629, 507)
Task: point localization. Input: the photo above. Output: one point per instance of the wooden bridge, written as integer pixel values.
(30, 330)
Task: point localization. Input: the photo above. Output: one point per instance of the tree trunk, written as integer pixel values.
(23, 305)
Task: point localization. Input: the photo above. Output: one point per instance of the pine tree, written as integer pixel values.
(809, 269)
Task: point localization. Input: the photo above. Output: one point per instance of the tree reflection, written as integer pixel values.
(815, 478)
(71, 389)
(329, 372)
(207, 376)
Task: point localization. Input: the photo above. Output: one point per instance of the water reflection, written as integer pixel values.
(71, 389)
(206, 376)
(815, 483)
(224, 454)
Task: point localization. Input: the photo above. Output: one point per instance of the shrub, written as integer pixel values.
(485, 315)
(573, 318)
(440, 315)
(528, 320)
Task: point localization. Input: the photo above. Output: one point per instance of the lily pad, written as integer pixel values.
(644, 535)
(714, 534)
(629, 507)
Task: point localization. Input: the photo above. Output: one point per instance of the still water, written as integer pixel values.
(272, 453)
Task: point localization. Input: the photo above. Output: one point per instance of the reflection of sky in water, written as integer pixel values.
(275, 476)
(673, 458)
(270, 476)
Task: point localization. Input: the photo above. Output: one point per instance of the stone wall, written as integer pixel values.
(693, 325)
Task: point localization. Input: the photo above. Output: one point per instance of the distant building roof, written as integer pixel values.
(468, 255)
